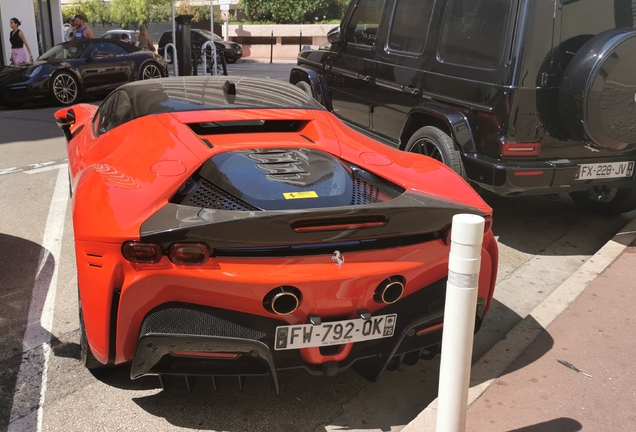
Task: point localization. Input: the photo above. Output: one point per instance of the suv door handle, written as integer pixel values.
(363, 77)
(410, 90)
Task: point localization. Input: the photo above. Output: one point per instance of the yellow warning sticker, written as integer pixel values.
(300, 195)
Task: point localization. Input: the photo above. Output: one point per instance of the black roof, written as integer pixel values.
(214, 92)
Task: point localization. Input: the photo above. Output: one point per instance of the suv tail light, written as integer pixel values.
(142, 252)
(520, 149)
(189, 253)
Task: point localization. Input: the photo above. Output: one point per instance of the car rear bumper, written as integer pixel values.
(185, 339)
(526, 177)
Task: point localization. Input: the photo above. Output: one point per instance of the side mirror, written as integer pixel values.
(65, 118)
(70, 117)
(333, 36)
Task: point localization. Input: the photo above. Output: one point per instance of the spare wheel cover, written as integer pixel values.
(597, 98)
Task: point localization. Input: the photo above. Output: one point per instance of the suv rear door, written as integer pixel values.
(352, 63)
(400, 64)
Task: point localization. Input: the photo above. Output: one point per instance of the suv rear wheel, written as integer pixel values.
(435, 143)
(606, 200)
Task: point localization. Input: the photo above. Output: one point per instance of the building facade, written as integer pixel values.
(41, 23)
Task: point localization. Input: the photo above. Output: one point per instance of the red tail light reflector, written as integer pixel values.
(142, 252)
(189, 253)
(520, 149)
(528, 173)
(204, 354)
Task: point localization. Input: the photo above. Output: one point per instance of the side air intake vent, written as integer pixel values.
(364, 193)
(209, 196)
(247, 126)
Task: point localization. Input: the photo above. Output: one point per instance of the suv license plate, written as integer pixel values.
(605, 170)
(334, 333)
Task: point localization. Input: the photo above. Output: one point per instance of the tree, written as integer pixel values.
(199, 13)
(293, 11)
(138, 11)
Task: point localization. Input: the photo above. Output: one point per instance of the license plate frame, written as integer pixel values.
(323, 334)
(605, 170)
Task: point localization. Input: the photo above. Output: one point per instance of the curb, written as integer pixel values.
(495, 362)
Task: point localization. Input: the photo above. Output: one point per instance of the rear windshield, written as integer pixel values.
(474, 32)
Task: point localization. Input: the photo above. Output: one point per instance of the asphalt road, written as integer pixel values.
(542, 240)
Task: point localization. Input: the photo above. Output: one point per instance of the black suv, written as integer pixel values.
(518, 96)
(231, 50)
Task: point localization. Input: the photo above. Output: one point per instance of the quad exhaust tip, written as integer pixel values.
(390, 290)
(282, 300)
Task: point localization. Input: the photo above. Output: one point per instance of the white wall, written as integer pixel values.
(23, 11)
(56, 18)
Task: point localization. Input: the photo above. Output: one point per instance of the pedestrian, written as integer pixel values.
(82, 31)
(126, 39)
(144, 39)
(69, 29)
(18, 42)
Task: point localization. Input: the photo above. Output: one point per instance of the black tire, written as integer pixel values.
(304, 86)
(86, 356)
(150, 71)
(65, 89)
(605, 201)
(435, 143)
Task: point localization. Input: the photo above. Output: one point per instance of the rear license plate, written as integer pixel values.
(605, 170)
(334, 333)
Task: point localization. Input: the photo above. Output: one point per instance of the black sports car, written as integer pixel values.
(231, 50)
(71, 68)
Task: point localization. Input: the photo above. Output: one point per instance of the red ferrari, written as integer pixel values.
(233, 226)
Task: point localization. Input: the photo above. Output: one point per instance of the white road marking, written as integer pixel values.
(11, 170)
(32, 377)
(46, 168)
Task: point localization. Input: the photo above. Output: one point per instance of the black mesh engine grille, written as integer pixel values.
(186, 321)
(209, 196)
(364, 192)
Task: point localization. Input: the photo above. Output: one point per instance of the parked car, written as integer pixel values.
(243, 230)
(231, 50)
(132, 35)
(517, 97)
(72, 68)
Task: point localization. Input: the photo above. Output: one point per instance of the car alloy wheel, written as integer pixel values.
(150, 71)
(65, 89)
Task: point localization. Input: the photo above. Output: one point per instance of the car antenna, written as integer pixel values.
(229, 90)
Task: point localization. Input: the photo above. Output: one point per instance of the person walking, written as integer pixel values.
(82, 31)
(144, 39)
(18, 42)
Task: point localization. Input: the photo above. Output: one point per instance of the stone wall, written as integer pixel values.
(257, 39)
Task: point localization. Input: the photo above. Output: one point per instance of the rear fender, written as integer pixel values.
(317, 82)
(448, 119)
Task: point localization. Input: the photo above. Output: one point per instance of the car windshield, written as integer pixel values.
(207, 33)
(65, 51)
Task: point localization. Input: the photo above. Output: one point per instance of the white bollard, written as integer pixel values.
(459, 322)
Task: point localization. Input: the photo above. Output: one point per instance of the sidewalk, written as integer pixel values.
(590, 323)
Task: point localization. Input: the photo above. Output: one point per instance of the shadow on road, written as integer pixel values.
(19, 268)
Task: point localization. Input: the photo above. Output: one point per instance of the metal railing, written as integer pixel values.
(174, 57)
(218, 56)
